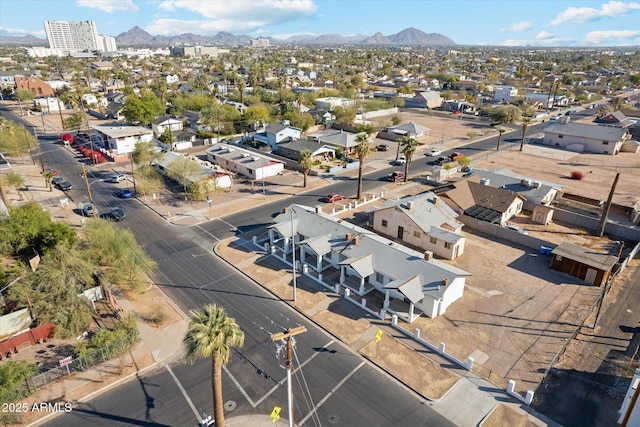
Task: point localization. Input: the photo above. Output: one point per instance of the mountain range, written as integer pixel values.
(139, 37)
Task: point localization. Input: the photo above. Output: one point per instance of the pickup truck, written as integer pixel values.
(455, 156)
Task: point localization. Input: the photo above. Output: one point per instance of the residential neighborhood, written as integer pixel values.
(476, 207)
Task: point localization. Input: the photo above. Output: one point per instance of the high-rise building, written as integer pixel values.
(73, 36)
(107, 43)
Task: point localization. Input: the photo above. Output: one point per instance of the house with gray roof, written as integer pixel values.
(423, 221)
(338, 254)
(276, 133)
(293, 150)
(410, 130)
(337, 138)
(534, 190)
(617, 119)
(583, 137)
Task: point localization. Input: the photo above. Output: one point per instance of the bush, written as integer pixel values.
(158, 315)
(577, 175)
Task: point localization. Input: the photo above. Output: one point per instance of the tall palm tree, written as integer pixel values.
(525, 128)
(362, 150)
(305, 163)
(409, 146)
(212, 333)
(500, 131)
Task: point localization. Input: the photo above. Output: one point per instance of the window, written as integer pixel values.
(433, 240)
(560, 136)
(417, 233)
(384, 222)
(448, 245)
(605, 142)
(379, 278)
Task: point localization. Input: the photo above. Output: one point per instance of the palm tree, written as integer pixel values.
(525, 128)
(305, 163)
(362, 150)
(409, 146)
(500, 131)
(48, 176)
(212, 333)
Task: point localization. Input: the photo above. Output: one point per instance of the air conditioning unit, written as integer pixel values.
(536, 184)
(526, 182)
(485, 181)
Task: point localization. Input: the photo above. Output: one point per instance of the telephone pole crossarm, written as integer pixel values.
(287, 335)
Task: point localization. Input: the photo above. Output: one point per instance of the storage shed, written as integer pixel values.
(585, 263)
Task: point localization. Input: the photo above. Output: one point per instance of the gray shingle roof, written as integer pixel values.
(604, 133)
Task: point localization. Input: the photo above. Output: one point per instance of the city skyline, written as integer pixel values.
(498, 23)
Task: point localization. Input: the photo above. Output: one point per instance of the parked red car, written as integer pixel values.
(333, 197)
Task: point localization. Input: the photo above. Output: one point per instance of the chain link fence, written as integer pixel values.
(52, 372)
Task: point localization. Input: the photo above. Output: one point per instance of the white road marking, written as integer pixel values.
(279, 384)
(333, 390)
(184, 393)
(244, 393)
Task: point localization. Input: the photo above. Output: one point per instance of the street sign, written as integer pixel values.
(275, 414)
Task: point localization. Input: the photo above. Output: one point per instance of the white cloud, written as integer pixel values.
(521, 26)
(599, 37)
(109, 6)
(513, 42)
(544, 35)
(227, 15)
(21, 32)
(584, 14)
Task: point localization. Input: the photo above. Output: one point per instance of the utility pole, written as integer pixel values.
(293, 256)
(86, 181)
(26, 138)
(287, 335)
(607, 207)
(133, 177)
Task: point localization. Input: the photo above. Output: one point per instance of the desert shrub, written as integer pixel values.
(158, 315)
(577, 175)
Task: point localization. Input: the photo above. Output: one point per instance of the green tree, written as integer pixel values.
(125, 263)
(396, 120)
(500, 131)
(344, 115)
(24, 95)
(29, 228)
(15, 181)
(212, 333)
(184, 171)
(48, 176)
(634, 79)
(409, 146)
(464, 161)
(74, 122)
(148, 181)
(257, 114)
(14, 139)
(306, 163)
(362, 151)
(505, 114)
(166, 137)
(145, 153)
(142, 110)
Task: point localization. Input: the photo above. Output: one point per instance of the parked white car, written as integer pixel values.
(401, 160)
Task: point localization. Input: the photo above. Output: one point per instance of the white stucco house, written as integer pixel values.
(340, 255)
(120, 138)
(584, 137)
(162, 123)
(251, 164)
(423, 221)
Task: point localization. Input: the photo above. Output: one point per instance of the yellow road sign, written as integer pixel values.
(275, 414)
(379, 335)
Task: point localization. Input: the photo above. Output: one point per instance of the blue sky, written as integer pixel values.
(472, 22)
